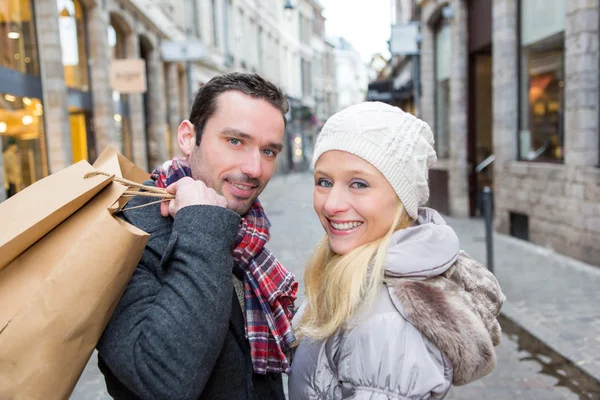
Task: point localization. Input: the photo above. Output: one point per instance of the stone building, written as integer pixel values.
(57, 104)
(511, 90)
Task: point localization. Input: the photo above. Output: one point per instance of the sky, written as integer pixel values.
(364, 23)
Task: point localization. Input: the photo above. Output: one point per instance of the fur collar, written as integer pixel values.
(457, 312)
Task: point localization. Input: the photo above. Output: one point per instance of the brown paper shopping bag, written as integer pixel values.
(58, 295)
(35, 211)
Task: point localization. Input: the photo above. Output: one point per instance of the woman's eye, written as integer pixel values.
(324, 183)
(235, 142)
(359, 185)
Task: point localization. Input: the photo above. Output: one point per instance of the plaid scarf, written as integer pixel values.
(269, 288)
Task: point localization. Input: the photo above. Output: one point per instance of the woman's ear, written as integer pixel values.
(186, 136)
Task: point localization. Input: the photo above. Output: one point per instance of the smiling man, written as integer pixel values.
(207, 312)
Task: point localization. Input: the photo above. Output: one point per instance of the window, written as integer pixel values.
(116, 41)
(241, 26)
(73, 43)
(442, 89)
(319, 25)
(74, 57)
(305, 73)
(215, 24)
(227, 30)
(541, 114)
(23, 141)
(259, 48)
(18, 47)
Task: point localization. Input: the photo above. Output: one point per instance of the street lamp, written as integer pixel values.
(288, 6)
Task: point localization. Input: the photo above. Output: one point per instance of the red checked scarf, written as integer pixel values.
(269, 288)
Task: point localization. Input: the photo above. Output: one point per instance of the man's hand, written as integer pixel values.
(189, 192)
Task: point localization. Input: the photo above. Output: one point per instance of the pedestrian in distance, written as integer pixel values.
(207, 313)
(394, 309)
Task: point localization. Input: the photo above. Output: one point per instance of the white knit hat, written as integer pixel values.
(397, 143)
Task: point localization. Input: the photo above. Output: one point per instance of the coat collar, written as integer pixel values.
(456, 311)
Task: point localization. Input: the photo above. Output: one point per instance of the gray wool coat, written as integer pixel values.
(433, 325)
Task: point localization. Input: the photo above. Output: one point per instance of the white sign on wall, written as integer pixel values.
(405, 39)
(185, 50)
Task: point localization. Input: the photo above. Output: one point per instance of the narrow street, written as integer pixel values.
(523, 371)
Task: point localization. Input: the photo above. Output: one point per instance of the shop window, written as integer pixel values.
(23, 142)
(442, 89)
(542, 83)
(73, 43)
(18, 47)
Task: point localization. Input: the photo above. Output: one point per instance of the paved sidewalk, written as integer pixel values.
(553, 297)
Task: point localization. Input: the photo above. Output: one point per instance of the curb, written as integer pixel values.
(571, 354)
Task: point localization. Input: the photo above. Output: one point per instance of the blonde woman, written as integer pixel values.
(394, 309)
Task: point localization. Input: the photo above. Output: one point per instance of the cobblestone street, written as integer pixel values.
(295, 232)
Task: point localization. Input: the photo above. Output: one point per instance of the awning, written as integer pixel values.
(384, 91)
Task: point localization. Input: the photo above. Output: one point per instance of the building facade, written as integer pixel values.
(58, 105)
(511, 90)
(352, 74)
(60, 102)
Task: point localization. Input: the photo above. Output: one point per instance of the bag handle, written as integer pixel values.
(148, 191)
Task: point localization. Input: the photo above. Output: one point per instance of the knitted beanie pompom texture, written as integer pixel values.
(395, 142)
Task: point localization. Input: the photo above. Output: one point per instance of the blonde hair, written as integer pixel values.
(337, 286)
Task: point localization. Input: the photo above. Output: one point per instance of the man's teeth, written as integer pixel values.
(243, 187)
(346, 225)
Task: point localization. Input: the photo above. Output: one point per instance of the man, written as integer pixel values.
(206, 313)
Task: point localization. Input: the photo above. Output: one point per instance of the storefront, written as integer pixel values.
(398, 90)
(541, 113)
(21, 110)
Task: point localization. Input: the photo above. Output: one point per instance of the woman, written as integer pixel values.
(394, 309)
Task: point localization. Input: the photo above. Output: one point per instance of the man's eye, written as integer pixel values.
(235, 142)
(269, 153)
(324, 183)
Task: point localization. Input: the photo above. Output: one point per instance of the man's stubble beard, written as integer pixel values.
(199, 174)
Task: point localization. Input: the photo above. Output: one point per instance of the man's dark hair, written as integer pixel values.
(205, 104)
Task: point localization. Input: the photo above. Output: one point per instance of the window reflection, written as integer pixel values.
(541, 136)
(23, 142)
(18, 49)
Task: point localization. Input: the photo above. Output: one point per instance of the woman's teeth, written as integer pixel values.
(345, 226)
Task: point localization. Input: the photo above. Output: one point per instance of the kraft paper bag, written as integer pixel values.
(57, 296)
(36, 210)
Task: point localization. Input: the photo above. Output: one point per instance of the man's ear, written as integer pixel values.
(186, 136)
